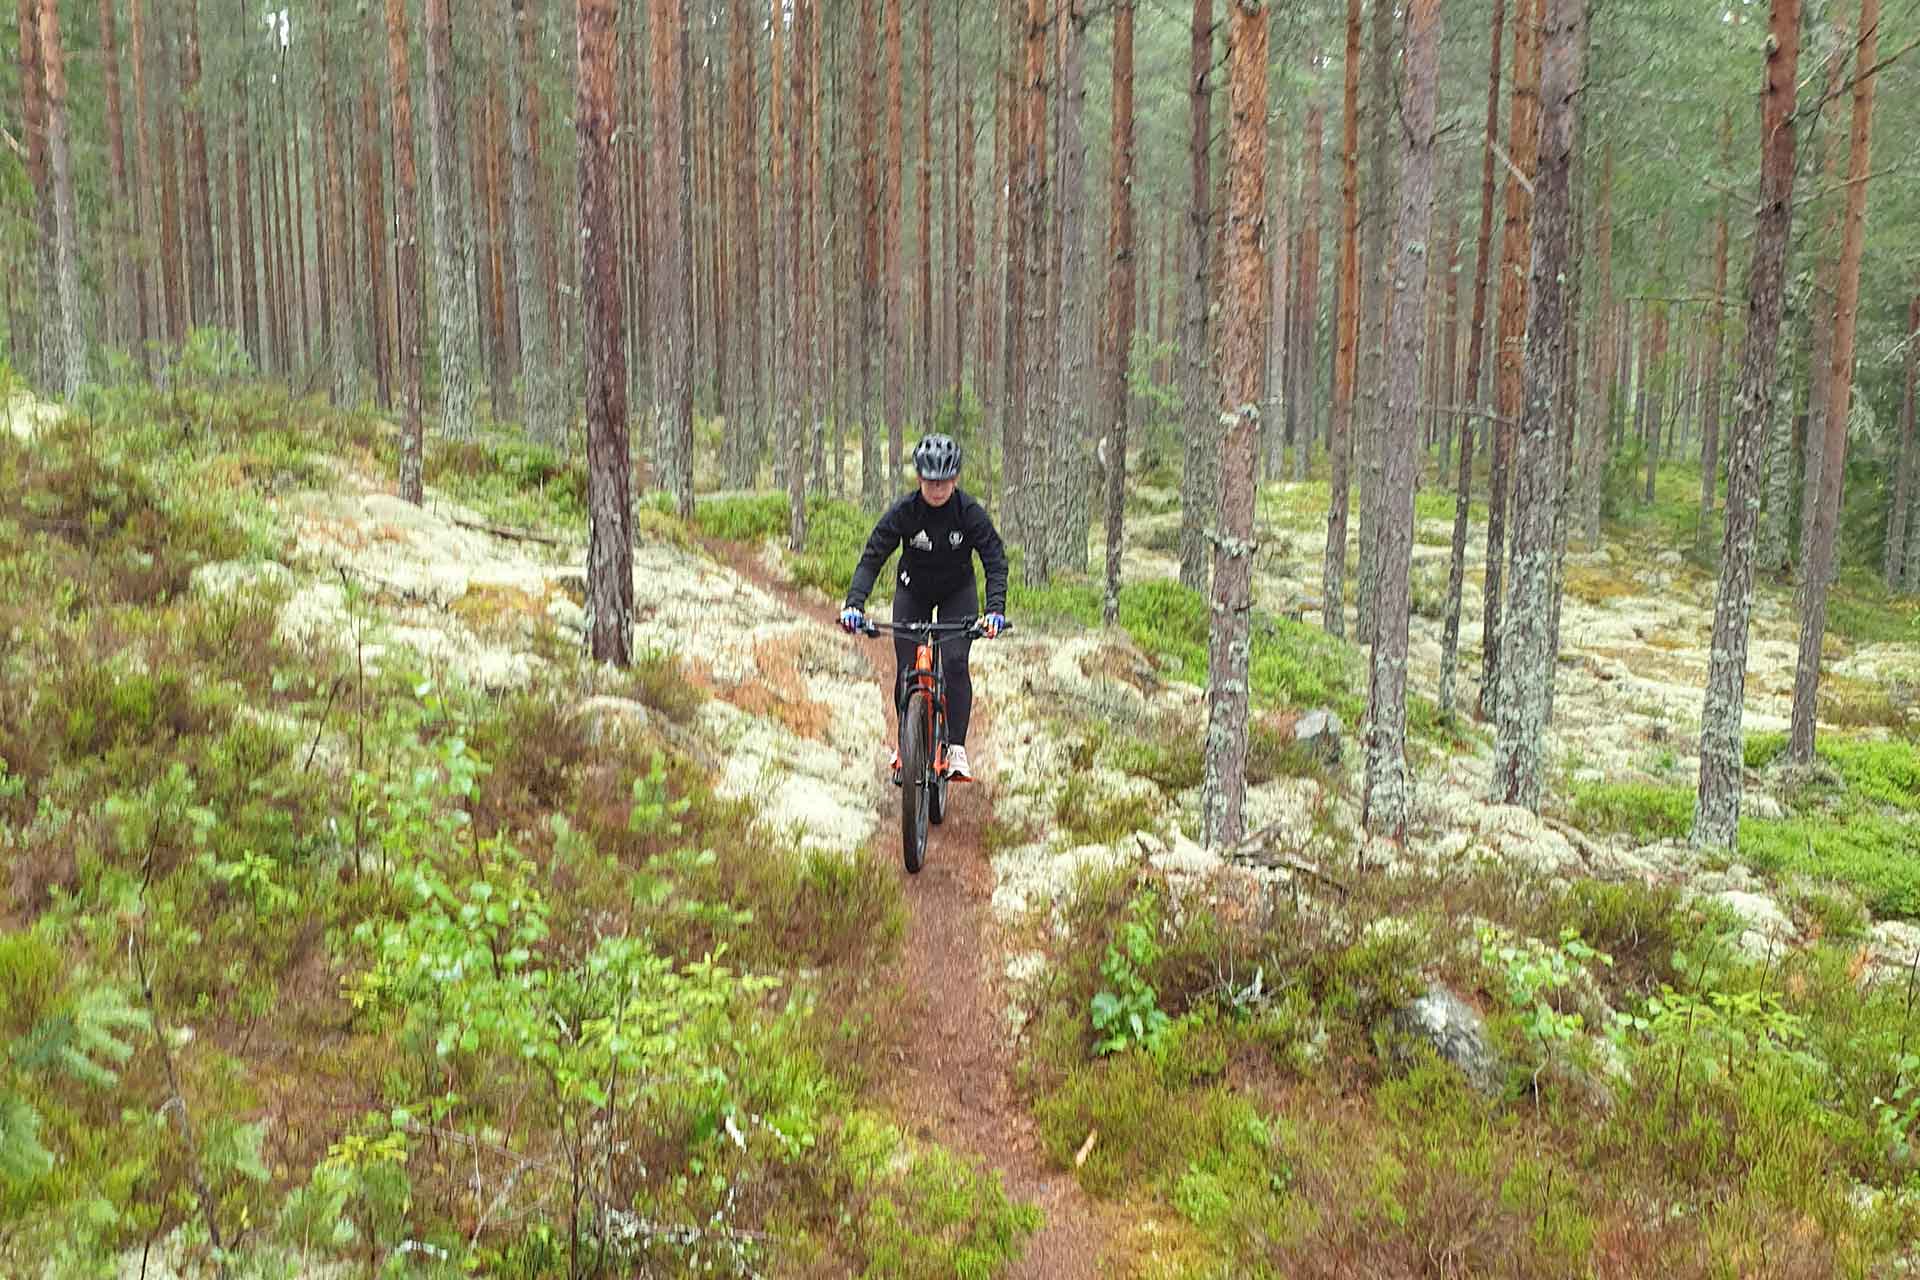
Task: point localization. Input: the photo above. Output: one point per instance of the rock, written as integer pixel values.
(225, 577)
(609, 717)
(1319, 731)
(1457, 1033)
(1765, 926)
(1895, 949)
(1759, 804)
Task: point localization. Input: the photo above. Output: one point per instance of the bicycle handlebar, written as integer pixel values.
(933, 630)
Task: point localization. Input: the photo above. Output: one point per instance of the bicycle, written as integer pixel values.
(923, 729)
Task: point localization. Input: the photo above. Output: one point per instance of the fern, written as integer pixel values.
(78, 1040)
(21, 1155)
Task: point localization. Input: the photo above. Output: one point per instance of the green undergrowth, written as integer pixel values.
(1853, 819)
(1243, 1074)
(418, 953)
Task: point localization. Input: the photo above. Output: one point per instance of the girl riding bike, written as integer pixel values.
(939, 528)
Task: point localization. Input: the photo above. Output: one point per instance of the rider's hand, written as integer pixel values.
(991, 625)
(852, 620)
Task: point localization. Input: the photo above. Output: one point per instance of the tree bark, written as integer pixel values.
(1899, 568)
(68, 368)
(1026, 452)
(1312, 207)
(1066, 482)
(1519, 746)
(747, 408)
(929, 364)
(453, 282)
(1716, 344)
(1117, 340)
(1716, 815)
(609, 507)
(794, 384)
(120, 247)
(1199, 390)
(674, 284)
(378, 224)
(340, 355)
(1600, 365)
(1333, 609)
(1523, 142)
(1819, 568)
(199, 201)
(1388, 797)
(545, 389)
(1476, 356)
(406, 264)
(1223, 792)
(1376, 264)
(893, 177)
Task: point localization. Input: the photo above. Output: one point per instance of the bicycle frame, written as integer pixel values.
(928, 674)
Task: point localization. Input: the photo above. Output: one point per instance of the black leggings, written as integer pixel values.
(909, 607)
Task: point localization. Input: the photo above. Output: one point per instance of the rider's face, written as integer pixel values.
(936, 492)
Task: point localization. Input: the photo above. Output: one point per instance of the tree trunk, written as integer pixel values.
(1025, 455)
(1388, 797)
(747, 408)
(673, 301)
(1199, 390)
(1818, 570)
(1375, 262)
(893, 177)
(1519, 747)
(545, 389)
(1274, 298)
(1470, 390)
(406, 265)
(1716, 815)
(1312, 207)
(963, 294)
(120, 246)
(68, 367)
(1333, 609)
(1223, 792)
(1716, 348)
(1066, 482)
(1117, 338)
(929, 365)
(1910, 567)
(377, 223)
(1898, 568)
(453, 283)
(1447, 393)
(194, 160)
(1523, 141)
(243, 180)
(1600, 362)
(1657, 379)
(609, 507)
(46, 301)
(346, 381)
(793, 385)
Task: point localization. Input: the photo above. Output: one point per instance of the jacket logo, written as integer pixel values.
(921, 542)
(955, 538)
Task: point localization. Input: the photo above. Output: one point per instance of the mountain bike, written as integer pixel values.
(923, 728)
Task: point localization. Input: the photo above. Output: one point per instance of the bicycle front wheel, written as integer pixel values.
(916, 781)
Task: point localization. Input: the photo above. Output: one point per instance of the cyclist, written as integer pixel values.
(939, 528)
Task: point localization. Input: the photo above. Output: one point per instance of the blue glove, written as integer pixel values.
(993, 624)
(852, 620)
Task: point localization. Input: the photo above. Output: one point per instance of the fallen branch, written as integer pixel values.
(1257, 850)
(510, 532)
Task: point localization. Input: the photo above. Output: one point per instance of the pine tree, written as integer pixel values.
(1387, 799)
(1223, 791)
(1716, 815)
(406, 254)
(1340, 447)
(1525, 644)
(1117, 330)
(609, 503)
(67, 367)
(1199, 382)
(1817, 571)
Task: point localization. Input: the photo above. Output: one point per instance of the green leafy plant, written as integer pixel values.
(1126, 1011)
(1531, 974)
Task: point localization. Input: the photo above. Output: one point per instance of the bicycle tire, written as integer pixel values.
(916, 782)
(937, 801)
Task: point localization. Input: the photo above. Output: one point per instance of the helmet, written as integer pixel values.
(937, 457)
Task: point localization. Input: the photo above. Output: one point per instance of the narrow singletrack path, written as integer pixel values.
(955, 1085)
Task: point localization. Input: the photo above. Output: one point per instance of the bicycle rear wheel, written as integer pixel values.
(916, 781)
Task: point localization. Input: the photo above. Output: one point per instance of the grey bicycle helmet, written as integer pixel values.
(937, 457)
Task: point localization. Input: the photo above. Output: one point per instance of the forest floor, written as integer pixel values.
(1086, 744)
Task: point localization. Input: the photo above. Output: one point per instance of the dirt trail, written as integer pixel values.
(956, 1086)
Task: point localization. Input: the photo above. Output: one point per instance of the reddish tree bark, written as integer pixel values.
(1817, 572)
(406, 251)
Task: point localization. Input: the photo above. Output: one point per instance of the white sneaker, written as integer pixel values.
(957, 770)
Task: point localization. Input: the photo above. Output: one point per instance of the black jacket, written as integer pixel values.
(937, 549)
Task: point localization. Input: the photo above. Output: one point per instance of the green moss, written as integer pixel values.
(1644, 810)
(1873, 853)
